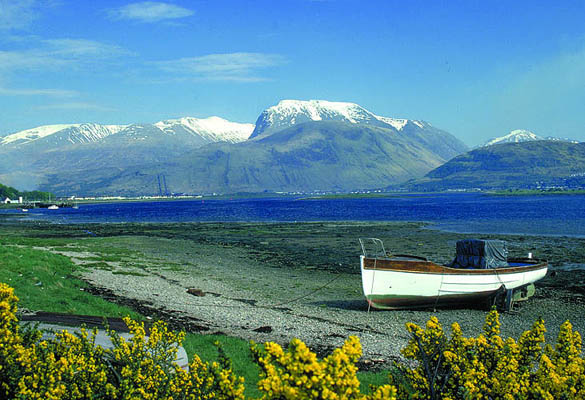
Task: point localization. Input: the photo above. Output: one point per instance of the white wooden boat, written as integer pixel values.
(53, 207)
(406, 281)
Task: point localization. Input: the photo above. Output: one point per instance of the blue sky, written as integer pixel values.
(477, 69)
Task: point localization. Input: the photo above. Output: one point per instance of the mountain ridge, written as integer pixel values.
(515, 136)
(523, 135)
(290, 112)
(337, 146)
(210, 129)
(522, 165)
(316, 155)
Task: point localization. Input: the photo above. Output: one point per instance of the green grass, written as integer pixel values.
(50, 282)
(32, 241)
(98, 265)
(238, 350)
(368, 379)
(173, 267)
(130, 273)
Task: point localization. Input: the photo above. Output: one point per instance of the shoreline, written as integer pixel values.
(273, 282)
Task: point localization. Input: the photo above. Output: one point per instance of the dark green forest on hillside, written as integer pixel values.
(12, 193)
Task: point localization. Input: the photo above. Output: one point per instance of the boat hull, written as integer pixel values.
(412, 283)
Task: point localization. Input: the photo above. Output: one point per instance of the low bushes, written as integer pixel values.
(443, 367)
(72, 367)
(489, 367)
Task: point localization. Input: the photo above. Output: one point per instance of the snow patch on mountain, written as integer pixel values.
(32, 134)
(397, 123)
(290, 112)
(87, 133)
(71, 133)
(213, 129)
(515, 136)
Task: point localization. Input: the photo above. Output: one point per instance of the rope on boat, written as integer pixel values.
(273, 305)
(372, 287)
(439, 291)
(505, 291)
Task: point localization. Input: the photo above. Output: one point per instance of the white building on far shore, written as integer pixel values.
(8, 200)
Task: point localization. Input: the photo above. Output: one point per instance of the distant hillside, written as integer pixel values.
(28, 157)
(296, 146)
(323, 155)
(510, 165)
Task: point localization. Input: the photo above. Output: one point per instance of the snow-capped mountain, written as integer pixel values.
(206, 130)
(212, 129)
(515, 136)
(29, 156)
(61, 134)
(300, 145)
(66, 133)
(29, 135)
(316, 155)
(290, 112)
(522, 135)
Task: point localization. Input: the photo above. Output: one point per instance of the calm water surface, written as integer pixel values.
(462, 212)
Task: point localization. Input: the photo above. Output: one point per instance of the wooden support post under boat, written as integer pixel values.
(506, 298)
(509, 300)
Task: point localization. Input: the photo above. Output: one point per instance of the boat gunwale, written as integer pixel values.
(429, 267)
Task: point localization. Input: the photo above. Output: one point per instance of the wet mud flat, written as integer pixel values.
(276, 281)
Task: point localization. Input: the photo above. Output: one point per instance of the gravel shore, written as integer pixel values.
(278, 281)
(239, 293)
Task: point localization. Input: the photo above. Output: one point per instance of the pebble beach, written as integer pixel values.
(233, 288)
(275, 282)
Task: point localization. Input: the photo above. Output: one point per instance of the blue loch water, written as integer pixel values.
(460, 212)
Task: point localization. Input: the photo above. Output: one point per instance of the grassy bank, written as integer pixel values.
(49, 282)
(46, 281)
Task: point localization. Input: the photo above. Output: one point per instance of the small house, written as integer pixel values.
(8, 200)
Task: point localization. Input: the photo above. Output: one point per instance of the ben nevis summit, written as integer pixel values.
(294, 146)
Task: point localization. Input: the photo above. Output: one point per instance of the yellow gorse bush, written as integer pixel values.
(489, 367)
(71, 366)
(297, 373)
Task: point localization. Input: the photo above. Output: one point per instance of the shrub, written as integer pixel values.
(73, 367)
(489, 367)
(298, 374)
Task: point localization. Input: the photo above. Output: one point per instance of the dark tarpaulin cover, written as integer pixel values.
(482, 254)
